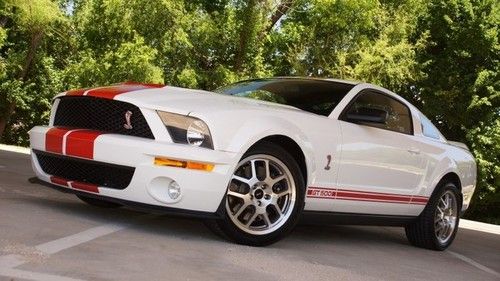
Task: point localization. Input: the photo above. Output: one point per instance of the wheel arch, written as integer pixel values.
(450, 177)
(277, 131)
(453, 178)
(292, 147)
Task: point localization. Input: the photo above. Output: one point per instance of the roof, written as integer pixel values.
(353, 83)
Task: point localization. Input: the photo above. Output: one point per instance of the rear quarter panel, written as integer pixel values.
(443, 158)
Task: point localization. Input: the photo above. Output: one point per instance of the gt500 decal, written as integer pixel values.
(344, 194)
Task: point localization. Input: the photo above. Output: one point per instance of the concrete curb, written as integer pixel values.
(13, 148)
(480, 226)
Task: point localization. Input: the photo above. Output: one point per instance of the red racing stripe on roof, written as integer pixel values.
(77, 92)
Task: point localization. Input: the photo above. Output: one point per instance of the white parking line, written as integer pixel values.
(475, 264)
(58, 245)
(28, 275)
(9, 262)
(12, 148)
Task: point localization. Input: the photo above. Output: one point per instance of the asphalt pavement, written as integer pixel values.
(48, 235)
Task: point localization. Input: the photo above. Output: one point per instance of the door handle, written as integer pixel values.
(414, 151)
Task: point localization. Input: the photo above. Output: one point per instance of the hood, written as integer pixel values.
(185, 101)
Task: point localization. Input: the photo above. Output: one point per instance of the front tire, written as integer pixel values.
(437, 226)
(264, 197)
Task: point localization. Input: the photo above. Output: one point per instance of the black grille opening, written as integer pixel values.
(87, 171)
(101, 115)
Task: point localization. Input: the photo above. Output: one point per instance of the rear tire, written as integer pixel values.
(264, 197)
(437, 226)
(98, 203)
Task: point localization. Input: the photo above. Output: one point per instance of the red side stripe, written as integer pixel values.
(356, 195)
(54, 140)
(85, 186)
(58, 180)
(339, 194)
(81, 143)
(419, 200)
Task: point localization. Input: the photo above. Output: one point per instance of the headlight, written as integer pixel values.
(187, 129)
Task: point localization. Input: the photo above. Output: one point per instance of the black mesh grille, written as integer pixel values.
(101, 115)
(93, 172)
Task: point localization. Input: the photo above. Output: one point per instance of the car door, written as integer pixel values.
(380, 166)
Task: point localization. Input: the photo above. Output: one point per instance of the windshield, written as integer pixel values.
(312, 95)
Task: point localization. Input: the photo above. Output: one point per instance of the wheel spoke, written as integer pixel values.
(241, 209)
(443, 202)
(251, 219)
(278, 210)
(449, 203)
(239, 195)
(441, 212)
(440, 229)
(241, 179)
(265, 216)
(277, 179)
(268, 170)
(254, 169)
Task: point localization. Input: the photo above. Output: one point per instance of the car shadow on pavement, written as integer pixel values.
(189, 228)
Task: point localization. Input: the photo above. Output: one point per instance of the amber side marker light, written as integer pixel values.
(183, 164)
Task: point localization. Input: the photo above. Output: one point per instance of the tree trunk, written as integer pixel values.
(245, 34)
(282, 9)
(34, 43)
(5, 119)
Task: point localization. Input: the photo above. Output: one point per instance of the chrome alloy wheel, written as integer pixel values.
(445, 218)
(261, 194)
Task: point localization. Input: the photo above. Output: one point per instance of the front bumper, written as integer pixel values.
(201, 191)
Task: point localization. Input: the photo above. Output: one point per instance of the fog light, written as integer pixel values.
(174, 190)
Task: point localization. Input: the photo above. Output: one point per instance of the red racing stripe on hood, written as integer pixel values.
(81, 143)
(110, 92)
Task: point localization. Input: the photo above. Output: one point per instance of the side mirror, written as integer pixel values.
(368, 115)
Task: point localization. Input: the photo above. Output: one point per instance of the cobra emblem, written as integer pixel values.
(128, 125)
(328, 161)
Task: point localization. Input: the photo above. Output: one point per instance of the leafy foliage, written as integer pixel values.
(441, 54)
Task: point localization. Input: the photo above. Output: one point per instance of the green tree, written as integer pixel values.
(25, 25)
(443, 55)
(461, 88)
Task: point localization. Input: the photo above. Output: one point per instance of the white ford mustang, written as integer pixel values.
(256, 156)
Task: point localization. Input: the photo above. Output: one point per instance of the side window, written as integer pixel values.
(381, 111)
(428, 129)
